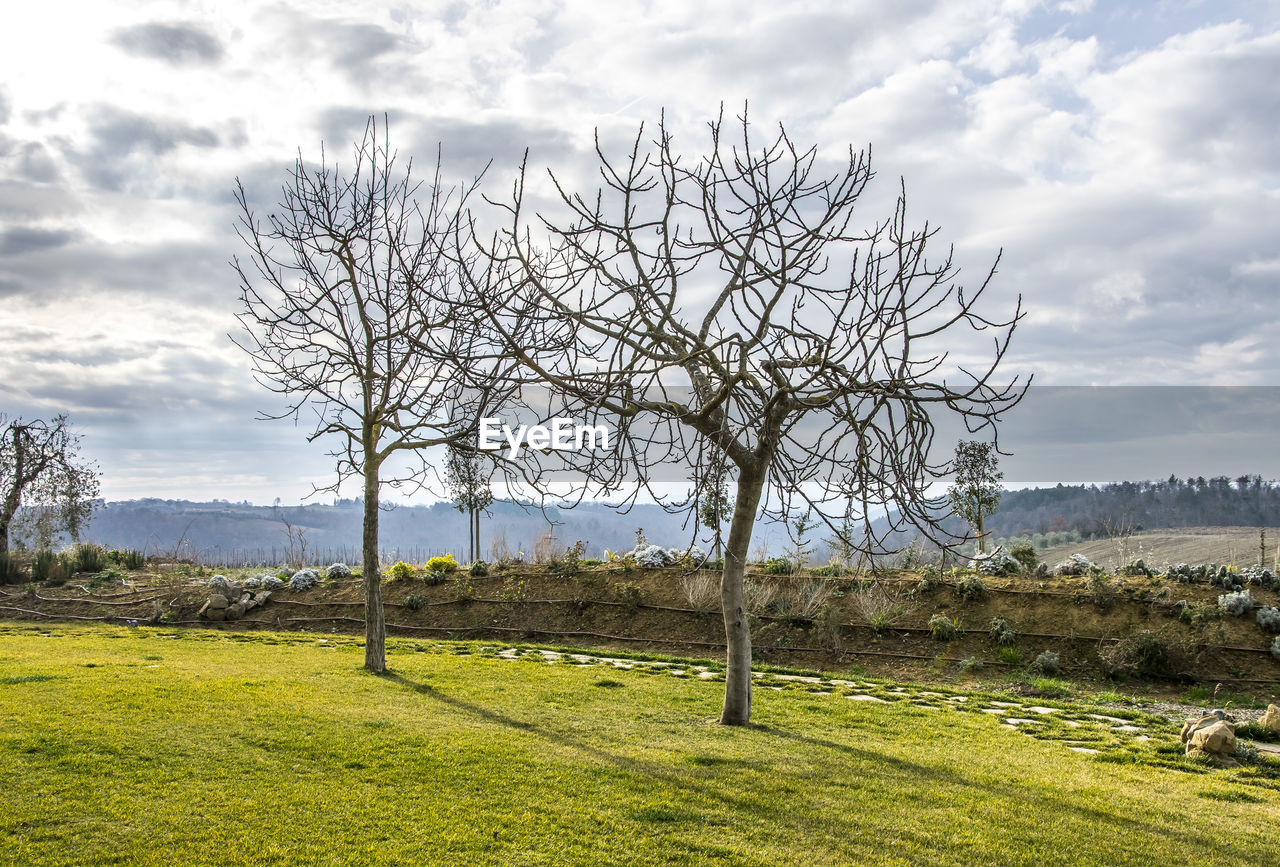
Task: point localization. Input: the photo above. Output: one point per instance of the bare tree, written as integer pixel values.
(46, 489)
(730, 304)
(339, 318)
(975, 493)
(466, 479)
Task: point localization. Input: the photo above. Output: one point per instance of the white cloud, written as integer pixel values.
(1132, 184)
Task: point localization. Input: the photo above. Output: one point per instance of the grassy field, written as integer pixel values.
(148, 746)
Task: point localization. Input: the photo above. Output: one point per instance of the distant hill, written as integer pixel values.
(1094, 511)
(233, 533)
(1068, 514)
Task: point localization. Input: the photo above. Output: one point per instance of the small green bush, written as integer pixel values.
(442, 563)
(415, 601)
(128, 558)
(971, 588)
(478, 569)
(1102, 592)
(435, 577)
(778, 566)
(49, 568)
(930, 579)
(943, 628)
(1146, 654)
(1002, 632)
(87, 557)
(971, 663)
(1025, 554)
(1275, 648)
(402, 571)
(9, 573)
(629, 593)
(1010, 655)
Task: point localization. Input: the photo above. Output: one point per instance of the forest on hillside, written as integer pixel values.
(1113, 509)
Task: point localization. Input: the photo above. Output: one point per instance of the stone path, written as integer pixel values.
(1077, 728)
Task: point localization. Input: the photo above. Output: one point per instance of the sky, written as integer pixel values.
(1123, 156)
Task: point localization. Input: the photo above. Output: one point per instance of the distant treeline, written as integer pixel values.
(1098, 511)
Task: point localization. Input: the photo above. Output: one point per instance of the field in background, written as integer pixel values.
(1161, 547)
(156, 746)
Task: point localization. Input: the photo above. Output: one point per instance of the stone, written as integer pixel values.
(1271, 719)
(217, 601)
(216, 614)
(1205, 721)
(236, 611)
(1217, 741)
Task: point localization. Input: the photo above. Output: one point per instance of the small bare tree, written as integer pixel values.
(730, 304)
(345, 308)
(45, 488)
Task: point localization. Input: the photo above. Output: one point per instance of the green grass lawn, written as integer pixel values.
(121, 745)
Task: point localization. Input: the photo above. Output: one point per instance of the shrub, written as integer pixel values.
(760, 593)
(702, 590)
(1002, 632)
(778, 566)
(998, 562)
(1236, 604)
(1048, 662)
(1136, 568)
(50, 569)
(478, 569)
(826, 627)
(415, 601)
(304, 579)
(880, 604)
(87, 557)
(1275, 647)
(337, 571)
(930, 579)
(971, 663)
(1269, 619)
(629, 593)
(1076, 564)
(971, 588)
(1145, 654)
(128, 558)
(651, 556)
(8, 568)
(442, 563)
(435, 577)
(1010, 655)
(1102, 592)
(402, 571)
(943, 628)
(1025, 554)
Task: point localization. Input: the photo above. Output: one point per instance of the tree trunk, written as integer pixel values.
(375, 620)
(477, 554)
(737, 630)
(982, 534)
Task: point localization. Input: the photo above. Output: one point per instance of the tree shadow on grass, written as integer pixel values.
(699, 783)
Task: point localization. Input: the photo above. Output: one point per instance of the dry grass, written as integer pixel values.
(702, 589)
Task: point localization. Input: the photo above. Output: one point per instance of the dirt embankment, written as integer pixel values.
(1136, 627)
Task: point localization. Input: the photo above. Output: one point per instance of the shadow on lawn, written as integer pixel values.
(700, 782)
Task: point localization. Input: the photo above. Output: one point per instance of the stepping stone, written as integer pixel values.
(862, 697)
(1015, 721)
(1113, 719)
(1127, 728)
(1085, 750)
(1005, 704)
(1044, 710)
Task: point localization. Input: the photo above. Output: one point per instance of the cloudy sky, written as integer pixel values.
(1125, 156)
